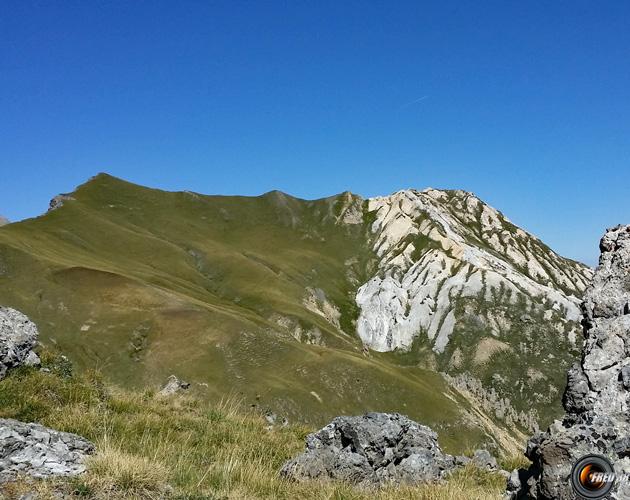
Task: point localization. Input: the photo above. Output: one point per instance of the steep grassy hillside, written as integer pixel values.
(252, 297)
(150, 447)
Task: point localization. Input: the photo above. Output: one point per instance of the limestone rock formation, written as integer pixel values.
(173, 385)
(437, 248)
(376, 448)
(39, 452)
(597, 395)
(477, 294)
(58, 201)
(18, 337)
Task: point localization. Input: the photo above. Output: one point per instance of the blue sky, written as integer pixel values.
(527, 104)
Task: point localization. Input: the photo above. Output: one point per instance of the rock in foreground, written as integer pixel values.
(372, 449)
(40, 452)
(597, 396)
(18, 337)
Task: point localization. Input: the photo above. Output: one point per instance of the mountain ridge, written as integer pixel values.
(105, 175)
(265, 291)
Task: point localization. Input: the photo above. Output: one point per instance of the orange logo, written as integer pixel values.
(593, 476)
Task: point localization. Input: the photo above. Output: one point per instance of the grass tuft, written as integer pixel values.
(181, 448)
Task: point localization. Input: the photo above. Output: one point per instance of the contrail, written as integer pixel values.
(415, 101)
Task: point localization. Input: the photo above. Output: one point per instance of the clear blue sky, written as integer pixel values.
(527, 104)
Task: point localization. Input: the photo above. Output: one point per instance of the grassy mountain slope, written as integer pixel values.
(246, 296)
(180, 447)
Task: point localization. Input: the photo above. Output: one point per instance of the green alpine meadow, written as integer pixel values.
(270, 301)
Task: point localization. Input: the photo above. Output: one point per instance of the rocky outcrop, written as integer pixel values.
(376, 449)
(436, 248)
(28, 448)
(40, 452)
(597, 395)
(18, 337)
(58, 201)
(173, 386)
(477, 294)
(3, 221)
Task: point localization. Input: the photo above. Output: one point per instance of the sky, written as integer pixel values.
(526, 104)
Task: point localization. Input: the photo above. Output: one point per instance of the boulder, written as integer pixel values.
(373, 449)
(58, 201)
(484, 460)
(18, 337)
(39, 452)
(173, 385)
(597, 396)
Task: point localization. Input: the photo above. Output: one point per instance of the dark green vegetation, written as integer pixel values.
(141, 283)
(179, 447)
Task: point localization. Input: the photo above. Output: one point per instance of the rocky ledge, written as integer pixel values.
(377, 449)
(27, 448)
(40, 452)
(18, 337)
(597, 395)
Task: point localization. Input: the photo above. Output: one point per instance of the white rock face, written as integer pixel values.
(436, 247)
(18, 337)
(40, 452)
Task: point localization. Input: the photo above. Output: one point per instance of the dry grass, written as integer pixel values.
(150, 448)
(121, 474)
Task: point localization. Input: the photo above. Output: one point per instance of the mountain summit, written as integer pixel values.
(429, 302)
(438, 251)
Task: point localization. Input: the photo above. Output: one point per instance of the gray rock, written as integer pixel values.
(372, 449)
(622, 447)
(58, 201)
(32, 360)
(173, 386)
(3, 221)
(461, 460)
(514, 481)
(18, 336)
(484, 460)
(39, 452)
(597, 395)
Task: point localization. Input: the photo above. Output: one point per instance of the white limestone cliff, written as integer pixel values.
(436, 247)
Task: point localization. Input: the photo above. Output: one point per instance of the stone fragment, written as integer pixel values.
(40, 452)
